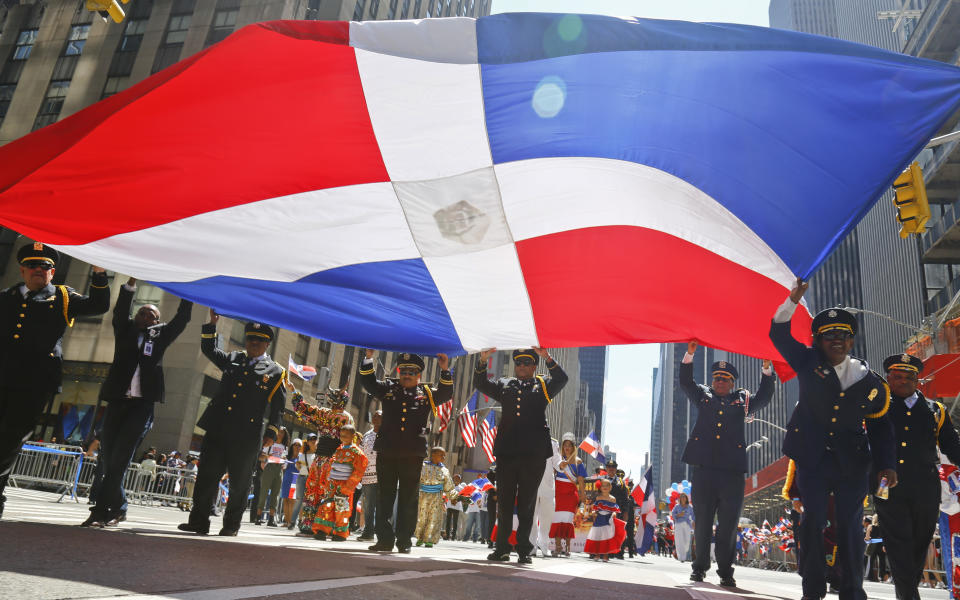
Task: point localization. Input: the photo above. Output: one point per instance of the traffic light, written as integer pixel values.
(107, 8)
(913, 210)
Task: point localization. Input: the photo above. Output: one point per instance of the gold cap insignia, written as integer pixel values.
(722, 365)
(832, 314)
(405, 356)
(38, 246)
(905, 358)
(256, 325)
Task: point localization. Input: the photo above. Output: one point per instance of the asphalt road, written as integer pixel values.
(45, 555)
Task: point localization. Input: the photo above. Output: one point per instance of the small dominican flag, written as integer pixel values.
(444, 412)
(302, 371)
(467, 420)
(591, 445)
(476, 488)
(488, 433)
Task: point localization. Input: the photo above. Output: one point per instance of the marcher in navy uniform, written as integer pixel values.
(909, 516)
(33, 317)
(618, 489)
(523, 441)
(839, 395)
(401, 443)
(134, 383)
(251, 389)
(717, 452)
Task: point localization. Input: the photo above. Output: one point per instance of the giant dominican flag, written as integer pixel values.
(447, 185)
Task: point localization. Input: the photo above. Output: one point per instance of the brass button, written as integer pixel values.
(21, 315)
(234, 395)
(16, 336)
(23, 305)
(836, 407)
(229, 408)
(842, 394)
(251, 420)
(403, 404)
(833, 420)
(719, 424)
(904, 444)
(401, 429)
(719, 412)
(906, 428)
(718, 437)
(908, 413)
(831, 434)
(696, 438)
(246, 373)
(518, 414)
(796, 429)
(239, 384)
(404, 410)
(19, 325)
(901, 461)
(403, 418)
(52, 355)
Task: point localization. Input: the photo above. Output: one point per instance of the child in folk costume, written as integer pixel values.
(330, 488)
(607, 532)
(569, 490)
(327, 421)
(435, 481)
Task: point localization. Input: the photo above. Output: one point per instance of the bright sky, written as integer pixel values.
(629, 384)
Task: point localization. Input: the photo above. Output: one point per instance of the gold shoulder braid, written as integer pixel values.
(66, 305)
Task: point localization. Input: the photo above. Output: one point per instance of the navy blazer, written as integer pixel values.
(717, 437)
(853, 423)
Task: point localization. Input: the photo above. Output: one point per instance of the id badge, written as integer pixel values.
(148, 349)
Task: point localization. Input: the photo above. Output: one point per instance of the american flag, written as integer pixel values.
(488, 432)
(444, 412)
(467, 421)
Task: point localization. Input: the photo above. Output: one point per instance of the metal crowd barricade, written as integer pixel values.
(51, 465)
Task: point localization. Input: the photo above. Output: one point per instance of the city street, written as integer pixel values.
(46, 556)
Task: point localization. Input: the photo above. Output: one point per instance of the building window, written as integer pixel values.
(416, 8)
(114, 85)
(323, 356)
(405, 9)
(374, 7)
(52, 104)
(169, 51)
(224, 22)
(132, 35)
(449, 7)
(24, 45)
(303, 346)
(358, 10)
(392, 11)
(6, 95)
(77, 39)
(146, 294)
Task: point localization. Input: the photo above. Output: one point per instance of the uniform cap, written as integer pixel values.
(903, 362)
(724, 368)
(37, 251)
(834, 319)
(407, 360)
(258, 330)
(526, 353)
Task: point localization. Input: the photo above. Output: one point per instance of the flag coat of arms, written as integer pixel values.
(627, 150)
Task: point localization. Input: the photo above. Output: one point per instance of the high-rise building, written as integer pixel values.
(593, 370)
(56, 58)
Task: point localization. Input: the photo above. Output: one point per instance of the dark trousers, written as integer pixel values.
(20, 410)
(451, 523)
(848, 482)
(907, 521)
(518, 479)
(718, 492)
(630, 544)
(397, 478)
(219, 456)
(125, 424)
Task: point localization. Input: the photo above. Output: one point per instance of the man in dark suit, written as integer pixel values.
(909, 516)
(33, 317)
(134, 383)
(523, 441)
(826, 437)
(402, 442)
(251, 389)
(717, 452)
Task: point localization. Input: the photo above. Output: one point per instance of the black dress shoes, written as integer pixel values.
(378, 547)
(495, 556)
(696, 576)
(194, 528)
(225, 532)
(728, 582)
(524, 559)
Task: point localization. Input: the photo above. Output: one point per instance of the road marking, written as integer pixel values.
(559, 573)
(279, 589)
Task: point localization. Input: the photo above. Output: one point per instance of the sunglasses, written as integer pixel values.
(837, 335)
(523, 362)
(37, 264)
(411, 372)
